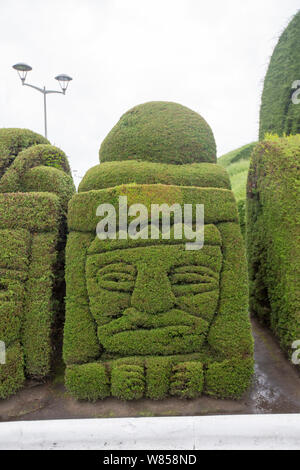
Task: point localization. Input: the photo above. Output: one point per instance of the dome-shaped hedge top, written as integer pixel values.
(15, 140)
(160, 132)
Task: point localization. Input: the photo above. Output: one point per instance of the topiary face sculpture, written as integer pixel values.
(145, 316)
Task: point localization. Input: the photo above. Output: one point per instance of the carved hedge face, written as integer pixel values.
(154, 300)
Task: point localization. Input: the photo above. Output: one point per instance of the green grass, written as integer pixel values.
(237, 164)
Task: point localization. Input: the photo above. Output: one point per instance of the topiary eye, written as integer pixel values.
(117, 277)
(192, 280)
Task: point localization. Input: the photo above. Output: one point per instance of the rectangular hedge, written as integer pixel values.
(29, 232)
(273, 236)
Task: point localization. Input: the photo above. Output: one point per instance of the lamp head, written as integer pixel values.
(63, 81)
(22, 70)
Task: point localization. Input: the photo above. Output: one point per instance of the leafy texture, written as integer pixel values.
(160, 132)
(146, 317)
(34, 191)
(13, 141)
(273, 234)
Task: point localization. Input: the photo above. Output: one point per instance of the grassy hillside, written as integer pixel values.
(237, 164)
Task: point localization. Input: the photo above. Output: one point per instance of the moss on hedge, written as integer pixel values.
(34, 191)
(273, 236)
(160, 132)
(278, 114)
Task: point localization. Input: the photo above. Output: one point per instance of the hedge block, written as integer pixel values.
(32, 237)
(273, 237)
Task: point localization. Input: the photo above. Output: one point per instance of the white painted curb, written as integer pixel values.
(174, 433)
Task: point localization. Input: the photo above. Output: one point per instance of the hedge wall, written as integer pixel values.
(278, 114)
(160, 132)
(33, 204)
(237, 164)
(273, 212)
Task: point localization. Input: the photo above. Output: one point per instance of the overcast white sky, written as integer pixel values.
(208, 55)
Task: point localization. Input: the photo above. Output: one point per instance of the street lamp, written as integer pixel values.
(63, 80)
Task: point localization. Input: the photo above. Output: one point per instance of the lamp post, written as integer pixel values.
(62, 79)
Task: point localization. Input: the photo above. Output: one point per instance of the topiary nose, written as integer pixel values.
(152, 292)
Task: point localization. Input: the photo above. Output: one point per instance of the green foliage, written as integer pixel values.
(219, 203)
(158, 373)
(13, 141)
(187, 380)
(237, 164)
(155, 314)
(273, 236)
(12, 372)
(34, 192)
(109, 174)
(5, 159)
(150, 312)
(160, 132)
(39, 310)
(230, 378)
(16, 140)
(48, 179)
(80, 339)
(36, 156)
(87, 381)
(278, 114)
(127, 382)
(235, 156)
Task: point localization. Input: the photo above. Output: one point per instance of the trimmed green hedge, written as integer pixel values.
(147, 317)
(220, 203)
(160, 132)
(237, 164)
(107, 175)
(278, 114)
(273, 236)
(13, 141)
(34, 192)
(152, 314)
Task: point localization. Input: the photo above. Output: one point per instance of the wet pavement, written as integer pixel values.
(275, 389)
